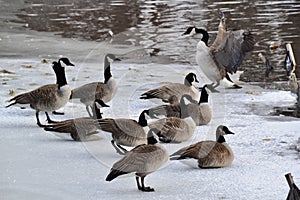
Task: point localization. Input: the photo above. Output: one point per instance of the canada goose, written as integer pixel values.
(127, 132)
(266, 61)
(49, 97)
(174, 129)
(98, 90)
(200, 112)
(142, 160)
(174, 90)
(225, 55)
(210, 154)
(79, 128)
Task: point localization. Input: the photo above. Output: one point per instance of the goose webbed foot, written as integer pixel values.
(147, 189)
(38, 120)
(57, 113)
(142, 185)
(235, 86)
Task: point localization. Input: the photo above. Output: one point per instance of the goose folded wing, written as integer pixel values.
(136, 160)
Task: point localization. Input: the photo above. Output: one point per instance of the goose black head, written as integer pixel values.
(221, 131)
(204, 95)
(111, 58)
(65, 62)
(190, 31)
(193, 31)
(190, 78)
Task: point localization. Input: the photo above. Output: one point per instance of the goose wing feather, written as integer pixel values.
(138, 159)
(230, 53)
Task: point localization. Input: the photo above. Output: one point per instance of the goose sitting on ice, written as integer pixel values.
(142, 160)
(173, 91)
(173, 129)
(79, 128)
(48, 98)
(210, 154)
(225, 55)
(88, 93)
(127, 132)
(200, 112)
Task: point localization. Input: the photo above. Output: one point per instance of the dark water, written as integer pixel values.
(157, 26)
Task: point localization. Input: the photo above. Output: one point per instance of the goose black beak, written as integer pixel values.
(117, 59)
(229, 132)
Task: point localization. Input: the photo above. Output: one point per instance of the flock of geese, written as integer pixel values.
(184, 108)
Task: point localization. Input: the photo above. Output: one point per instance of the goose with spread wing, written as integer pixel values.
(226, 53)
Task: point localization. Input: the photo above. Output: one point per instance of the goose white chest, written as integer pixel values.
(206, 63)
(111, 88)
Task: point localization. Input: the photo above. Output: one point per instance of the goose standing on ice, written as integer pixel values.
(48, 98)
(200, 112)
(173, 91)
(142, 160)
(88, 93)
(210, 154)
(79, 128)
(127, 132)
(225, 55)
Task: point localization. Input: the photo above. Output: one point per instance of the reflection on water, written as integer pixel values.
(157, 26)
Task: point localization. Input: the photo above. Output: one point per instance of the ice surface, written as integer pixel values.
(40, 165)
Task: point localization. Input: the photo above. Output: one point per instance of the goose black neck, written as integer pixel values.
(150, 136)
(221, 139)
(107, 73)
(142, 119)
(203, 97)
(205, 36)
(96, 112)
(60, 75)
(187, 82)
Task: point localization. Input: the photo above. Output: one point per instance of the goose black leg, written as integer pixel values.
(87, 109)
(48, 119)
(38, 120)
(138, 183)
(234, 84)
(146, 189)
(117, 149)
(123, 149)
